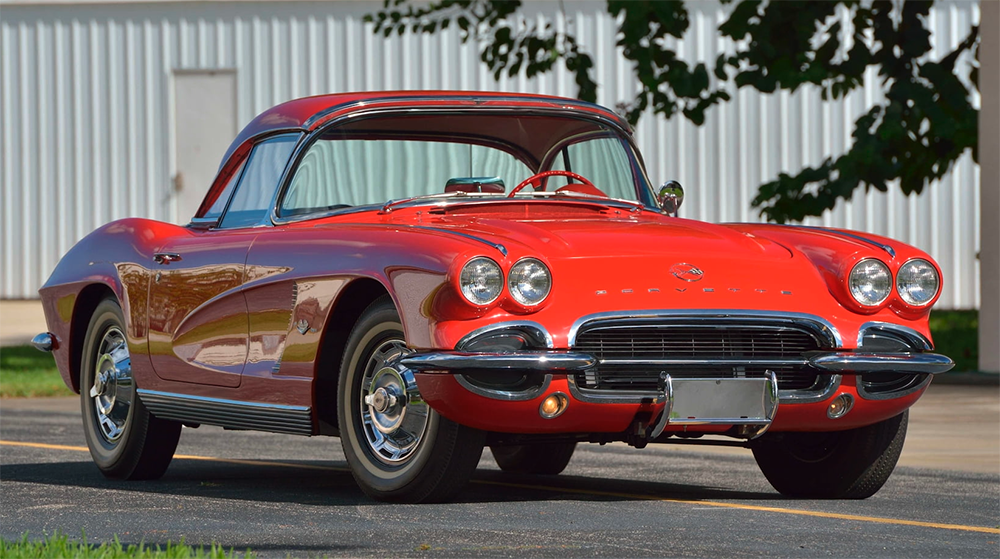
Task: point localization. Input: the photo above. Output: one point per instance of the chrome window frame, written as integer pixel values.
(266, 220)
(644, 189)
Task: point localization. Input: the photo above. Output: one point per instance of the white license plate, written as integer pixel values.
(736, 401)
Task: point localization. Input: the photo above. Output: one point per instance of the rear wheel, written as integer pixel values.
(398, 448)
(125, 440)
(543, 459)
(851, 464)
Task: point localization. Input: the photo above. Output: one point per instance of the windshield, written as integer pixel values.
(380, 159)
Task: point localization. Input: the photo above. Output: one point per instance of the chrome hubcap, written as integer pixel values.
(393, 415)
(113, 387)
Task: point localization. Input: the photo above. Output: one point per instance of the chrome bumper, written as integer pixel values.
(546, 361)
(917, 363)
(838, 362)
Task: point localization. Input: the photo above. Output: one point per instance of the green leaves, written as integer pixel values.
(925, 124)
(914, 137)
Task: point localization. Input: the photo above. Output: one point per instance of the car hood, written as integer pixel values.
(642, 260)
(625, 235)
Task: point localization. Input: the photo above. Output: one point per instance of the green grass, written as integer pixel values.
(59, 546)
(956, 334)
(27, 372)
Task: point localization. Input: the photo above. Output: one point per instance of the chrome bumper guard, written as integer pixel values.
(558, 361)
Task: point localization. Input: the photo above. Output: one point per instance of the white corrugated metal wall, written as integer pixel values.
(87, 125)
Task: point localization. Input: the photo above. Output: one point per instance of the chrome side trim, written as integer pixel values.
(893, 394)
(924, 363)
(43, 342)
(689, 316)
(506, 395)
(527, 360)
(296, 420)
(533, 327)
(916, 340)
(499, 247)
(823, 390)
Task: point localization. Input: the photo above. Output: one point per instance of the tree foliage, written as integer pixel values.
(914, 136)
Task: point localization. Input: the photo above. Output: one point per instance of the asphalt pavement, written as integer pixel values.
(281, 495)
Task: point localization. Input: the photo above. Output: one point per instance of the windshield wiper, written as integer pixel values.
(387, 207)
(604, 200)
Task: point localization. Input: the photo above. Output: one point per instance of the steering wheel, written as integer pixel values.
(537, 179)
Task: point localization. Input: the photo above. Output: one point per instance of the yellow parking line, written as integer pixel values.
(597, 493)
(186, 457)
(798, 512)
(43, 445)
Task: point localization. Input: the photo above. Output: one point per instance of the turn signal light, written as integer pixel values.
(840, 406)
(553, 406)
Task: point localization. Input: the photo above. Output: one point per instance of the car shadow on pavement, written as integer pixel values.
(330, 484)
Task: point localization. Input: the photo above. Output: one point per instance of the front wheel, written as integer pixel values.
(852, 464)
(398, 448)
(125, 440)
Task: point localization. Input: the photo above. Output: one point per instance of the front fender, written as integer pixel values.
(111, 259)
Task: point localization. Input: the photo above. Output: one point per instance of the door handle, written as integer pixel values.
(166, 257)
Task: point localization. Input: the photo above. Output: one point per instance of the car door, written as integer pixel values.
(198, 330)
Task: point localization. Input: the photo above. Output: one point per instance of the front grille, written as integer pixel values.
(724, 348)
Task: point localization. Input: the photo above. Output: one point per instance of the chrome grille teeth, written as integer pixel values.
(672, 341)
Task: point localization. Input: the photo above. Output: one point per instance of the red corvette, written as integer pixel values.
(426, 273)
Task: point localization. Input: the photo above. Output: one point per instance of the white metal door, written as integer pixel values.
(204, 125)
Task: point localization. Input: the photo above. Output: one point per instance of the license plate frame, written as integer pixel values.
(713, 401)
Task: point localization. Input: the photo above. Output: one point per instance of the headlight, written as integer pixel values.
(481, 280)
(529, 282)
(870, 282)
(917, 282)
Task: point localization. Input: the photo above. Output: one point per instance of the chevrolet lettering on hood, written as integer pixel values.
(427, 274)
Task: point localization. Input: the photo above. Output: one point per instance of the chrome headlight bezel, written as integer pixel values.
(902, 277)
(858, 278)
(532, 267)
(479, 271)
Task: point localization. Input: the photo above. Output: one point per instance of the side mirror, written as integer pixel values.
(670, 197)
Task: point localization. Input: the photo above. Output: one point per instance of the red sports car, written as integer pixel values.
(426, 273)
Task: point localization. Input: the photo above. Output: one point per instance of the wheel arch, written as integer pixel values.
(351, 302)
(88, 299)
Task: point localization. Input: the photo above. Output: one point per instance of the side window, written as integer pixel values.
(220, 203)
(252, 200)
